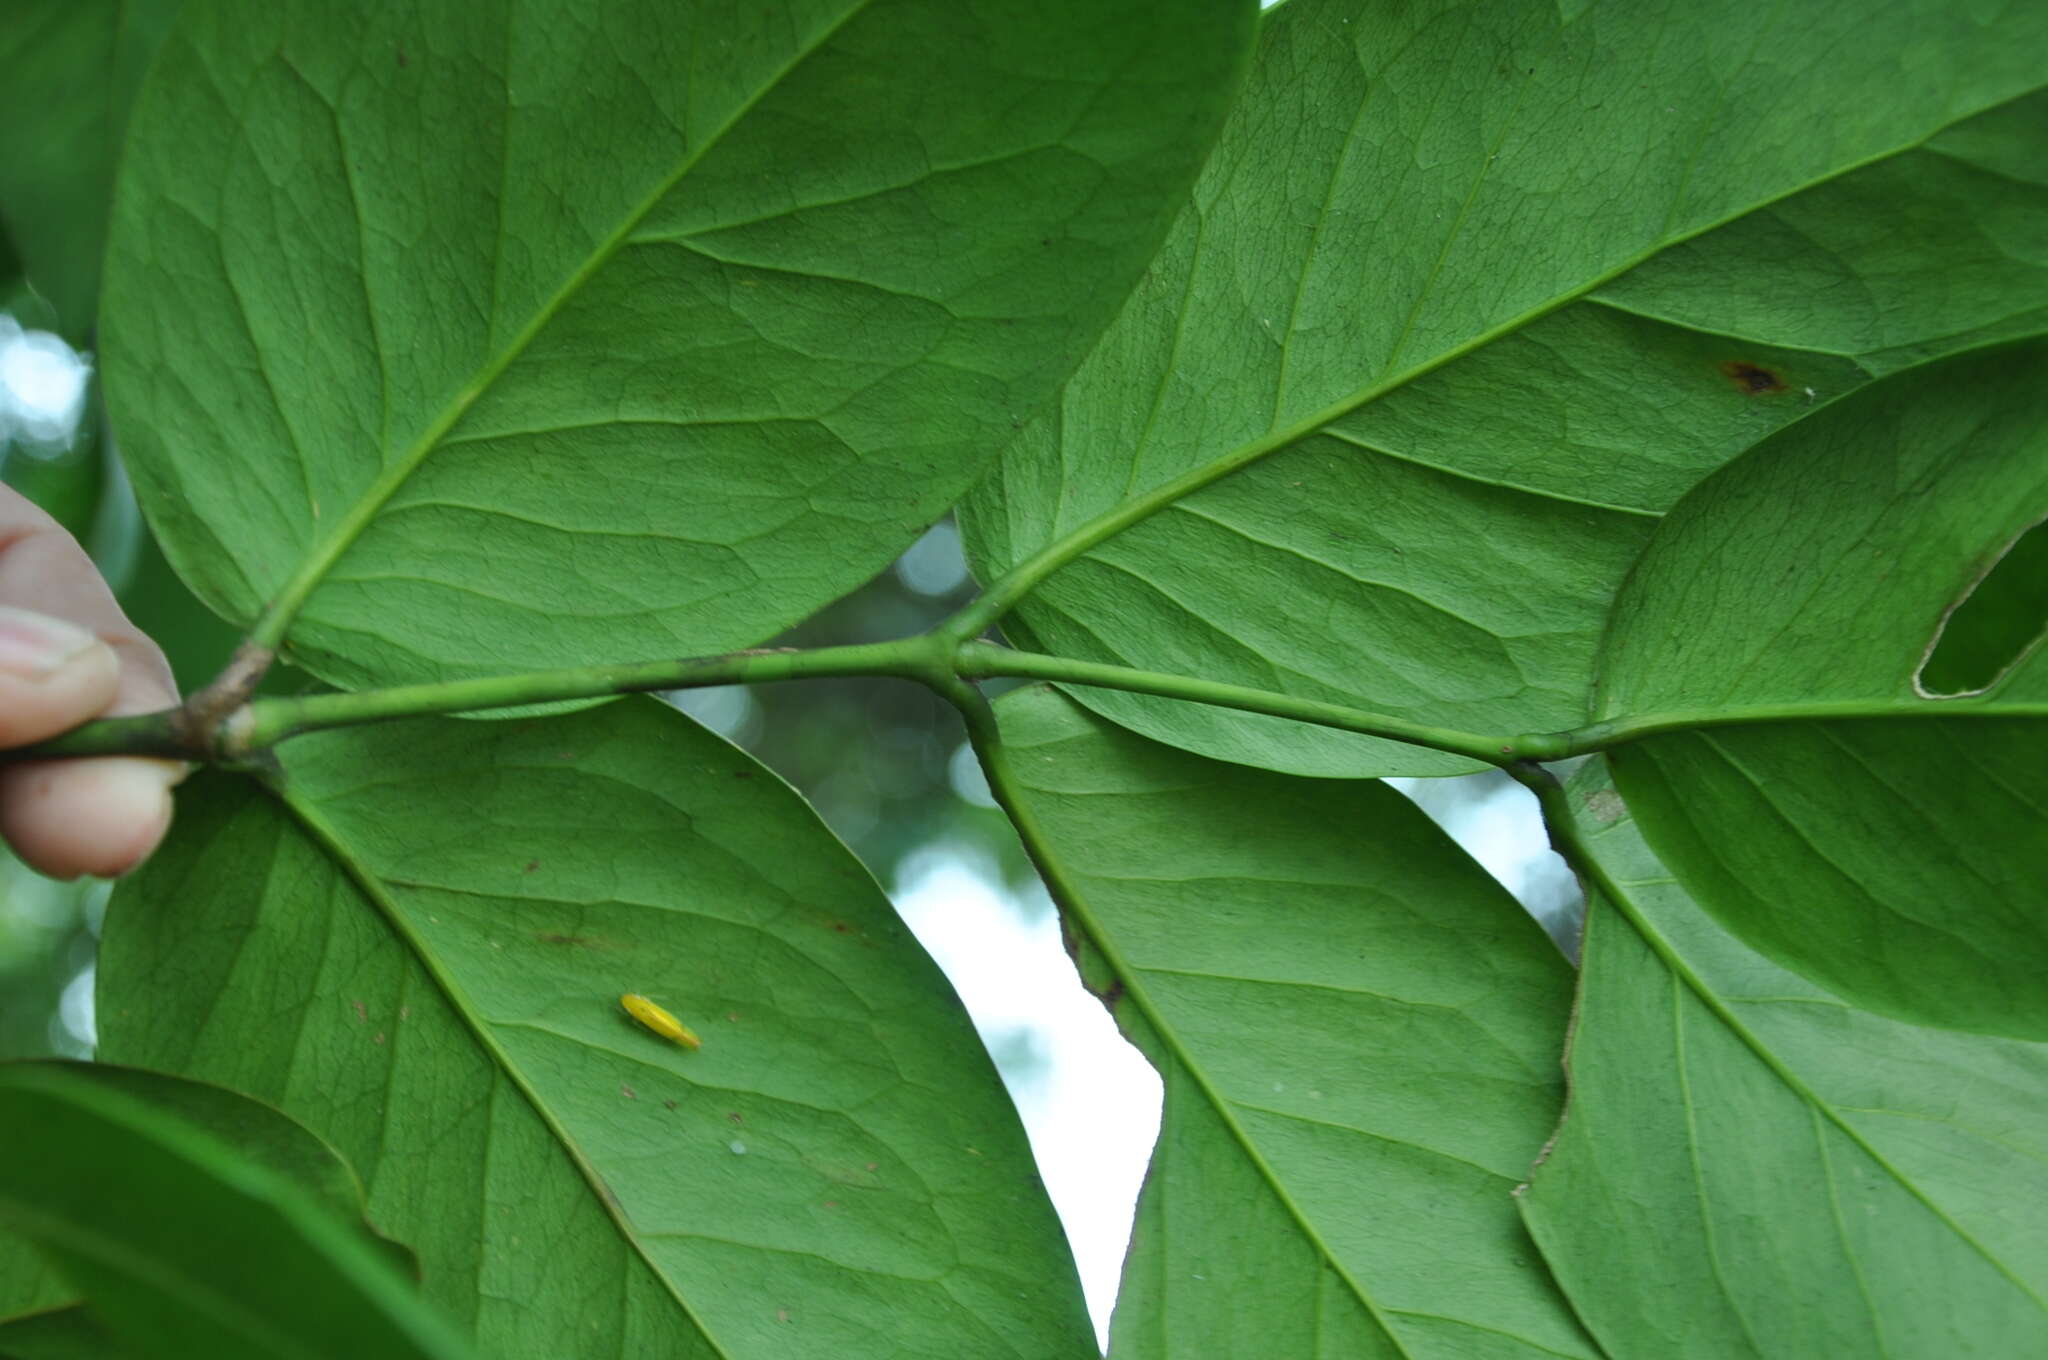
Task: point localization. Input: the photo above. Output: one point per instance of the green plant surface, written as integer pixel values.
(1357, 1030)
(44, 1309)
(73, 67)
(185, 1247)
(1900, 863)
(1390, 417)
(418, 950)
(1348, 390)
(1751, 1165)
(66, 1334)
(741, 307)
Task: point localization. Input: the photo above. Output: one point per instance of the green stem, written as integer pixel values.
(930, 658)
(980, 660)
(266, 722)
(1611, 732)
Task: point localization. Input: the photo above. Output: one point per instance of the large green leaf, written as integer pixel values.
(418, 950)
(1750, 1166)
(511, 334)
(185, 1247)
(1358, 1034)
(70, 68)
(1901, 862)
(1402, 304)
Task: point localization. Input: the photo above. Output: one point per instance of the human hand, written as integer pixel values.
(67, 654)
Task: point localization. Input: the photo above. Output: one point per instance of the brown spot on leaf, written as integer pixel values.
(628, 1092)
(736, 1117)
(668, 1104)
(1753, 379)
(362, 1012)
(402, 62)
(531, 865)
(1605, 806)
(549, 937)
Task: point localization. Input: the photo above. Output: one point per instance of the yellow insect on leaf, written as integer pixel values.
(659, 1020)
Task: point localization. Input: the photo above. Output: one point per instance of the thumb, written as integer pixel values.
(67, 817)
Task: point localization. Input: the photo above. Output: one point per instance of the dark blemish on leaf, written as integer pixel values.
(831, 1204)
(550, 937)
(402, 62)
(1112, 994)
(1752, 379)
(531, 865)
(668, 1104)
(742, 774)
(628, 1092)
(736, 1117)
(842, 928)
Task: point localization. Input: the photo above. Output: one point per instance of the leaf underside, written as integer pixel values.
(1751, 1166)
(505, 335)
(1357, 1030)
(1472, 295)
(419, 952)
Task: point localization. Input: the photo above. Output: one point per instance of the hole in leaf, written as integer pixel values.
(2001, 618)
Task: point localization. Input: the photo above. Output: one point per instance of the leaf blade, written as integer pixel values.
(186, 1248)
(1822, 566)
(735, 365)
(837, 1164)
(1411, 358)
(1860, 1179)
(1353, 1201)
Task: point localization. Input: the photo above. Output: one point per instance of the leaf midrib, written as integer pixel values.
(277, 617)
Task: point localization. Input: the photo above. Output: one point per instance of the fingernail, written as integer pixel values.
(33, 646)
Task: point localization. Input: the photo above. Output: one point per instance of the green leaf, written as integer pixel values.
(1898, 862)
(1751, 1166)
(480, 337)
(256, 1133)
(1357, 1030)
(65, 1334)
(1401, 315)
(419, 950)
(186, 1248)
(72, 68)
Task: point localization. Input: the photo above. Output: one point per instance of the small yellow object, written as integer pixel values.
(659, 1020)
